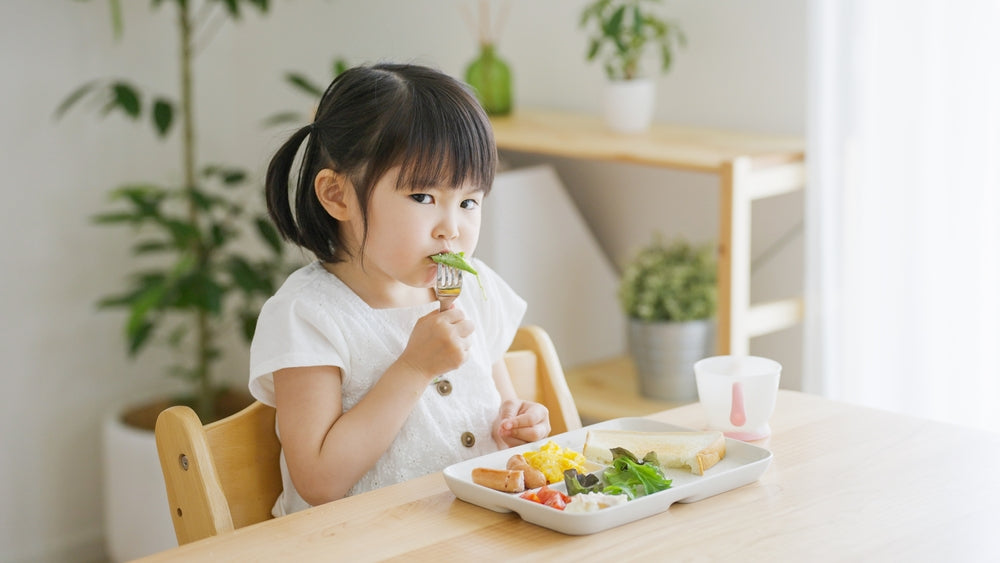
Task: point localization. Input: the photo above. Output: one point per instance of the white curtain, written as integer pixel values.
(903, 207)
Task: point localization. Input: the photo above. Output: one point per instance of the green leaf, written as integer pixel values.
(270, 234)
(339, 66)
(183, 233)
(455, 260)
(233, 7)
(138, 336)
(75, 97)
(634, 478)
(261, 5)
(151, 246)
(595, 46)
(138, 191)
(200, 199)
(302, 83)
(163, 116)
(125, 98)
(115, 301)
(228, 175)
(667, 57)
(209, 295)
(246, 277)
(117, 217)
(145, 199)
(613, 27)
(577, 482)
(139, 326)
(220, 234)
(248, 322)
(233, 176)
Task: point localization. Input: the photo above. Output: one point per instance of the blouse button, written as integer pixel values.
(444, 387)
(468, 439)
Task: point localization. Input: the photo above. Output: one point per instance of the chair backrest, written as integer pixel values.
(220, 476)
(538, 376)
(225, 475)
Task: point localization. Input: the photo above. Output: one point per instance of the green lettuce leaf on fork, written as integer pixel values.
(457, 260)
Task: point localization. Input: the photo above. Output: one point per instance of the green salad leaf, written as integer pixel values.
(457, 260)
(634, 478)
(577, 482)
(627, 475)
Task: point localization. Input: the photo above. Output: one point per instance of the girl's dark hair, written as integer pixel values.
(369, 120)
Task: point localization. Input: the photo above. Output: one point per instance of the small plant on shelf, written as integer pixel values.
(621, 32)
(674, 282)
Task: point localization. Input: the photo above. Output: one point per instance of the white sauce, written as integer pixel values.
(592, 502)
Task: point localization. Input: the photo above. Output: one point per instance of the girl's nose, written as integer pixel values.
(446, 228)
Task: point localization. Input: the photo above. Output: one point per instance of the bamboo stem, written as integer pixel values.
(205, 402)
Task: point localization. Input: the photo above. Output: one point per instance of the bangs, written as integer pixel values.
(445, 144)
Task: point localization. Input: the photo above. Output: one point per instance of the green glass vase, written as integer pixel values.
(489, 76)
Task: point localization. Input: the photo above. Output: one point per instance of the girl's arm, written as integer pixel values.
(519, 421)
(328, 450)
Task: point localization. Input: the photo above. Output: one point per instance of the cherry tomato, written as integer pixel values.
(548, 497)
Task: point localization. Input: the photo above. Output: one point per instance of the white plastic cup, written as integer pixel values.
(738, 394)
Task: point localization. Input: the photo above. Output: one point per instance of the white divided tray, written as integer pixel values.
(744, 463)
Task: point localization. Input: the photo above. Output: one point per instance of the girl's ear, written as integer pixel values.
(334, 194)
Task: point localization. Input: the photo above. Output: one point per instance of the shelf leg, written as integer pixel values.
(734, 259)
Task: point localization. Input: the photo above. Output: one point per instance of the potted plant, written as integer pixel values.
(194, 280)
(668, 293)
(622, 32)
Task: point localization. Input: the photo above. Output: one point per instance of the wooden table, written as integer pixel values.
(846, 483)
(750, 167)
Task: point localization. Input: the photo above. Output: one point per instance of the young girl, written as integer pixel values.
(372, 382)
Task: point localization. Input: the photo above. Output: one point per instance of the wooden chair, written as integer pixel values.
(225, 475)
(538, 376)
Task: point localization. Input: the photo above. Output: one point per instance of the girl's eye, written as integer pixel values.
(422, 198)
(470, 204)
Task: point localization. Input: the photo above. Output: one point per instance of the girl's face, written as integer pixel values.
(407, 226)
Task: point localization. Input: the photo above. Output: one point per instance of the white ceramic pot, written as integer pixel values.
(629, 104)
(136, 513)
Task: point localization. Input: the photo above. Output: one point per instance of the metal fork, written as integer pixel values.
(448, 285)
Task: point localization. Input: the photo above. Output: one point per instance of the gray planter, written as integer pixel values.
(664, 354)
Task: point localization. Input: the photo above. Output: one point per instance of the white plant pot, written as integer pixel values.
(136, 513)
(629, 105)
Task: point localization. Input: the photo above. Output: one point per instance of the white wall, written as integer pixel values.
(744, 68)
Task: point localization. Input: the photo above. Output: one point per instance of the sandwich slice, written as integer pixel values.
(696, 451)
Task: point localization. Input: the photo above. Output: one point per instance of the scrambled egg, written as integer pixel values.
(552, 460)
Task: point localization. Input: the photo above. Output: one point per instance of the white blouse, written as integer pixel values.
(315, 319)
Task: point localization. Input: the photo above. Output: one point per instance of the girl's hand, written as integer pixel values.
(439, 342)
(521, 422)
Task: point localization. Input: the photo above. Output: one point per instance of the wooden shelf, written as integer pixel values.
(682, 148)
(749, 167)
(609, 389)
